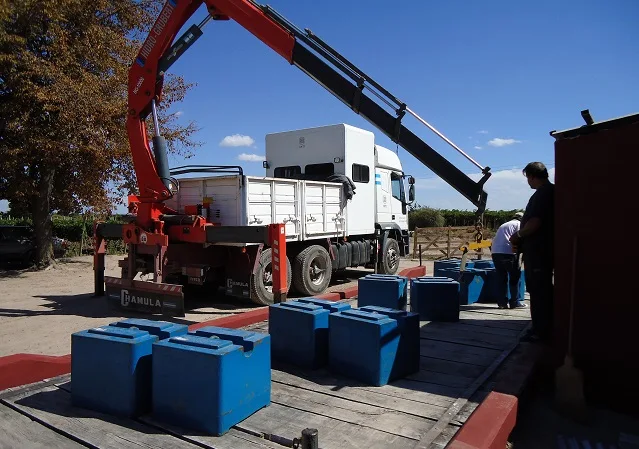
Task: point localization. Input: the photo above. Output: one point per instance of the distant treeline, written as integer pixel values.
(77, 228)
(428, 217)
(74, 228)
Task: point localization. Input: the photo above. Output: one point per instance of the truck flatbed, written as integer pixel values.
(457, 360)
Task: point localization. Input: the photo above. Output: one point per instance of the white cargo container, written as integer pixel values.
(335, 190)
(308, 209)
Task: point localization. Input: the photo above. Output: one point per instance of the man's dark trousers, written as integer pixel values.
(508, 272)
(539, 283)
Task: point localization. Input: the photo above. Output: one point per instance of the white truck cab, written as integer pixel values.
(320, 153)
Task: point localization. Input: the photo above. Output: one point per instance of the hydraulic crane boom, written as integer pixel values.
(300, 48)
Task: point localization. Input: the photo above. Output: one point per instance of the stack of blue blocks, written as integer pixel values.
(299, 331)
(390, 291)
(208, 380)
(493, 291)
(482, 264)
(111, 365)
(211, 379)
(435, 298)
(471, 283)
(441, 265)
(375, 346)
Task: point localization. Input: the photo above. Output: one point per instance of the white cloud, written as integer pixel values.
(507, 189)
(179, 113)
(499, 142)
(250, 157)
(482, 132)
(477, 147)
(237, 140)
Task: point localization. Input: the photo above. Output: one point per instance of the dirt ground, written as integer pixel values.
(40, 310)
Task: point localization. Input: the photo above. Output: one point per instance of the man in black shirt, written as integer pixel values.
(535, 240)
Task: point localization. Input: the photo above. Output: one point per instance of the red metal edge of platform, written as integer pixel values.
(490, 425)
(22, 369)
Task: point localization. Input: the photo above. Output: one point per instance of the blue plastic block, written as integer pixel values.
(407, 359)
(161, 329)
(111, 370)
(471, 282)
(363, 345)
(331, 306)
(482, 264)
(299, 333)
(389, 291)
(440, 265)
(211, 380)
(493, 291)
(435, 300)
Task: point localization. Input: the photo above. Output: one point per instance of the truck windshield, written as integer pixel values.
(397, 187)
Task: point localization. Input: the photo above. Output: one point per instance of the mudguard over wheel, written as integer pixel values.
(389, 259)
(262, 280)
(312, 270)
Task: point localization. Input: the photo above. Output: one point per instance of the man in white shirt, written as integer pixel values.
(506, 262)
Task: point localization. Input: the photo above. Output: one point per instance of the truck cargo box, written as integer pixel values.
(309, 209)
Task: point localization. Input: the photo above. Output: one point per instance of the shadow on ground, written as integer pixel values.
(88, 306)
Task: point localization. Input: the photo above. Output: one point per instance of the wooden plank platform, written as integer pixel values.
(423, 410)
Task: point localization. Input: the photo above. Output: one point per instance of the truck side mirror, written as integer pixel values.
(411, 180)
(411, 193)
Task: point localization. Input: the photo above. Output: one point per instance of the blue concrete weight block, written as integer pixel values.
(211, 381)
(389, 291)
(407, 359)
(435, 300)
(494, 290)
(299, 333)
(439, 266)
(491, 291)
(161, 329)
(471, 282)
(111, 370)
(484, 263)
(331, 306)
(430, 279)
(363, 345)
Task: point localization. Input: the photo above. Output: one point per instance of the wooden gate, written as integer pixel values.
(444, 242)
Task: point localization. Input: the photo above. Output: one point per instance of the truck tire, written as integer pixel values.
(312, 270)
(262, 280)
(389, 260)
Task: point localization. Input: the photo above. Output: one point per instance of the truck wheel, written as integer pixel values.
(389, 263)
(312, 270)
(262, 280)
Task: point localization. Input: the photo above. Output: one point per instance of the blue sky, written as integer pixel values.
(495, 77)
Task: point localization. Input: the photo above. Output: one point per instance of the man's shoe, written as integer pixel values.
(519, 305)
(502, 306)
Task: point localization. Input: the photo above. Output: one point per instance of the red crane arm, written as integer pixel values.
(303, 49)
(145, 76)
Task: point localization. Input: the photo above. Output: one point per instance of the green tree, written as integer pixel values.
(63, 104)
(425, 217)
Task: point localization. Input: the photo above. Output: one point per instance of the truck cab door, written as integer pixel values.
(383, 196)
(398, 200)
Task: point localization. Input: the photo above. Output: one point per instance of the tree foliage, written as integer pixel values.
(425, 217)
(63, 104)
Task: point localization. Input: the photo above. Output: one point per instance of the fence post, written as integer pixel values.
(448, 244)
(415, 241)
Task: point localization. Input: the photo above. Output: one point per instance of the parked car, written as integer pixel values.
(17, 245)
